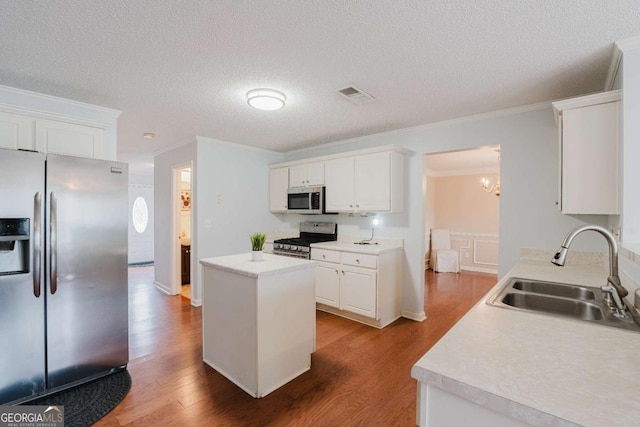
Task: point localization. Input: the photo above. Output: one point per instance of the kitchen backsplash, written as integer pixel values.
(573, 257)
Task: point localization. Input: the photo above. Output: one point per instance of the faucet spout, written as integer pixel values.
(614, 280)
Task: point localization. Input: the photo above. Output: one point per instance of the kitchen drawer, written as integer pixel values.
(325, 255)
(360, 260)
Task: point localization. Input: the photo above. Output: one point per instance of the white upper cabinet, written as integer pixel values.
(365, 183)
(57, 125)
(589, 129)
(339, 183)
(278, 186)
(306, 175)
(16, 131)
(69, 139)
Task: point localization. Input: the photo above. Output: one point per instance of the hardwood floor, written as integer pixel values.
(359, 375)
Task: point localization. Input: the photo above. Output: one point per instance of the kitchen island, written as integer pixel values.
(258, 319)
(502, 367)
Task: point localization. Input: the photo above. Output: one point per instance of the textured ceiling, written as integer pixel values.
(479, 160)
(182, 68)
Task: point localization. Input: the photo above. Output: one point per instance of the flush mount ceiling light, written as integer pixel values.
(266, 99)
(148, 135)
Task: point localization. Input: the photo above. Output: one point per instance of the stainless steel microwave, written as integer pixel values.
(305, 200)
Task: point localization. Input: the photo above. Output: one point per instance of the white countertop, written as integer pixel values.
(375, 248)
(270, 265)
(540, 369)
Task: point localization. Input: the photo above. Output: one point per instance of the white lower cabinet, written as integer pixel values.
(358, 291)
(328, 285)
(362, 287)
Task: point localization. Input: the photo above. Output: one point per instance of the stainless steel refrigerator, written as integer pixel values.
(63, 272)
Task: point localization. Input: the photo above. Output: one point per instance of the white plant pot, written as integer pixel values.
(256, 255)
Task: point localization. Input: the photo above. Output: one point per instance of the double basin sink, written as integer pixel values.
(561, 299)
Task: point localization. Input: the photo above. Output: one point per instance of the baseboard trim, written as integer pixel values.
(479, 270)
(162, 288)
(196, 302)
(418, 317)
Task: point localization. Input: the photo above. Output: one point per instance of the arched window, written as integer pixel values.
(140, 215)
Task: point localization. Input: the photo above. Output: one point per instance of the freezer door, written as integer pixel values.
(22, 356)
(87, 301)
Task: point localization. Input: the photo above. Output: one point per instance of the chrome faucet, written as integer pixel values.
(613, 289)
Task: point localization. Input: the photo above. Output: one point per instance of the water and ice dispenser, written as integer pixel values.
(14, 246)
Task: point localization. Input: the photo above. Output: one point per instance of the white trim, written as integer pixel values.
(235, 145)
(462, 172)
(172, 147)
(162, 288)
(39, 114)
(614, 67)
(584, 101)
(473, 234)
(467, 242)
(475, 252)
(435, 125)
(196, 302)
(176, 258)
(478, 270)
(626, 45)
(418, 317)
(41, 96)
(378, 149)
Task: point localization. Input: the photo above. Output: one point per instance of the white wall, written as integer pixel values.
(232, 197)
(164, 207)
(631, 145)
(529, 167)
(236, 175)
(630, 221)
(141, 245)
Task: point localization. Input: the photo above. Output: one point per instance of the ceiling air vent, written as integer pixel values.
(355, 95)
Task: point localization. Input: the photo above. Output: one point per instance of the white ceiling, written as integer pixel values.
(479, 160)
(182, 68)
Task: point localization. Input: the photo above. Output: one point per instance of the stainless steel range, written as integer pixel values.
(310, 232)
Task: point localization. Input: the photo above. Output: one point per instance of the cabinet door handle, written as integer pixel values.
(358, 261)
(350, 206)
(324, 256)
(343, 272)
(337, 272)
(357, 206)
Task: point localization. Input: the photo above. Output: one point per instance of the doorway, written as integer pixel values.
(183, 230)
(463, 196)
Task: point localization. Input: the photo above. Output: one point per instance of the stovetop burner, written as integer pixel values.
(310, 232)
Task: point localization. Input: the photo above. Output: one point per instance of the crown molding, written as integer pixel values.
(583, 101)
(429, 126)
(461, 172)
(614, 68)
(64, 101)
(629, 44)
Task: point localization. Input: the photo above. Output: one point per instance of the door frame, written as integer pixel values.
(176, 188)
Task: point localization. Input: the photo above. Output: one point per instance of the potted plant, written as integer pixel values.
(257, 241)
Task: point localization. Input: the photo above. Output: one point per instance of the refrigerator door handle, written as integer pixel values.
(37, 243)
(53, 244)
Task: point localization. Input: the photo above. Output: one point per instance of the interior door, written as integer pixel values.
(22, 358)
(87, 301)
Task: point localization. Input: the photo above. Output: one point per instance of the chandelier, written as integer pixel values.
(486, 184)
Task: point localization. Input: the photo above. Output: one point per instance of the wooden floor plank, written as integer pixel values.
(359, 375)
